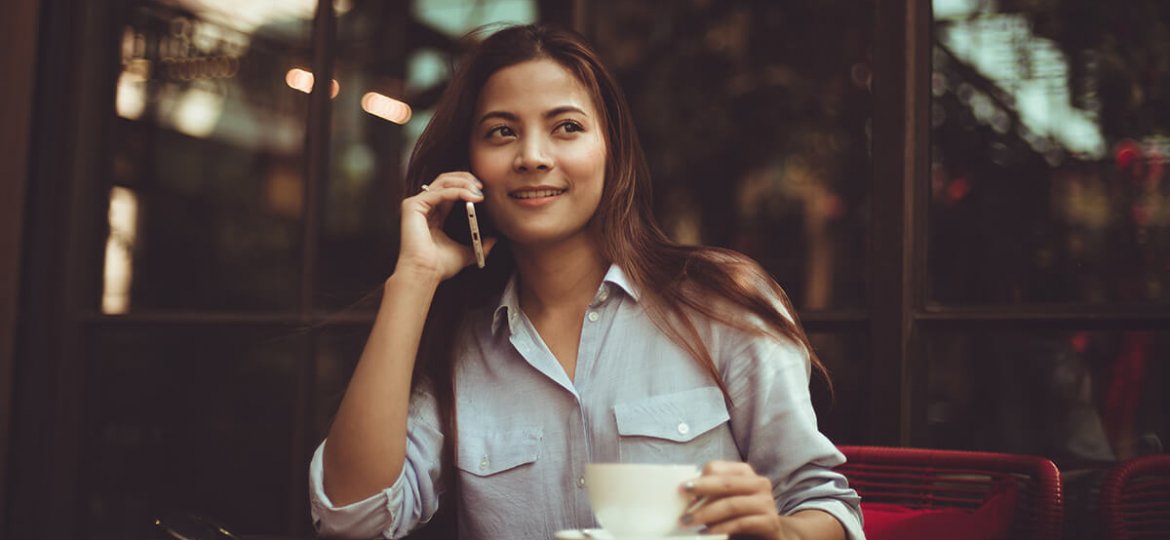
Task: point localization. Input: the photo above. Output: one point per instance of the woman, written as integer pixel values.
(589, 336)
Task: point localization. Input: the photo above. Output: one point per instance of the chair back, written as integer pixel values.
(926, 479)
(1135, 498)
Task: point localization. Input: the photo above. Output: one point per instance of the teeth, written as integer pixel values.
(536, 194)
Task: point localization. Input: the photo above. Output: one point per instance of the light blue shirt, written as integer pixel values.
(526, 430)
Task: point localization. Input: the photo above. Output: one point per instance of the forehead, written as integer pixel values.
(540, 85)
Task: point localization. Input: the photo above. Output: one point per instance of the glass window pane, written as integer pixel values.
(207, 157)
(393, 63)
(1050, 140)
(338, 351)
(1078, 397)
(191, 420)
(757, 141)
(754, 118)
(842, 413)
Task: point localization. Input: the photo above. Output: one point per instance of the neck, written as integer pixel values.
(561, 276)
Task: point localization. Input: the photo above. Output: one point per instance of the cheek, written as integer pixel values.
(588, 161)
(487, 165)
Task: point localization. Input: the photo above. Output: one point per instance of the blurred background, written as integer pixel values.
(966, 199)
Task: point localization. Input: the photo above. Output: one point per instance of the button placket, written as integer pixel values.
(602, 295)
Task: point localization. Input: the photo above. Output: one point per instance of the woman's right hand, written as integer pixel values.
(424, 247)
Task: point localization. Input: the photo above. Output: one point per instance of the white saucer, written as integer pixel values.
(601, 534)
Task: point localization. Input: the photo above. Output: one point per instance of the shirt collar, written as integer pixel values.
(508, 310)
(616, 276)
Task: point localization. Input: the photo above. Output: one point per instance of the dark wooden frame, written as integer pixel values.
(898, 205)
(18, 40)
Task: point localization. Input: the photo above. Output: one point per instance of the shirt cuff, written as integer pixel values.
(368, 518)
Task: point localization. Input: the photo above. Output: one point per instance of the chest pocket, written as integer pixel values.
(486, 454)
(682, 427)
(498, 474)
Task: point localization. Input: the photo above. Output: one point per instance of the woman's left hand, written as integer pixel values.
(737, 501)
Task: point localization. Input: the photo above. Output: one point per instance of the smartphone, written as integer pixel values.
(471, 231)
(476, 242)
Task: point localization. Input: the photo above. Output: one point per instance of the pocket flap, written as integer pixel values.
(485, 454)
(678, 417)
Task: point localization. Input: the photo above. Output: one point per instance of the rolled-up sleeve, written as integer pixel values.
(775, 427)
(400, 508)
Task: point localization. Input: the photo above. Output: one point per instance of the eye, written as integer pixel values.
(570, 126)
(499, 131)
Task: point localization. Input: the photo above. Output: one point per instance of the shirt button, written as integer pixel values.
(483, 463)
(604, 294)
(580, 481)
(593, 316)
(683, 428)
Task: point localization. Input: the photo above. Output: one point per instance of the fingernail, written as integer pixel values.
(687, 519)
(477, 192)
(689, 485)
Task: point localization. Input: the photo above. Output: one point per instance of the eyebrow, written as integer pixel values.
(552, 113)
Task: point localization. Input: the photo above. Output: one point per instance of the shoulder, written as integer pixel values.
(736, 305)
(735, 288)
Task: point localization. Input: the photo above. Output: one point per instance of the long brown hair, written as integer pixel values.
(676, 282)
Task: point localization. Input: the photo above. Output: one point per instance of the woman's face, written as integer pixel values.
(538, 146)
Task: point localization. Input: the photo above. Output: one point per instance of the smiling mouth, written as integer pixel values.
(536, 193)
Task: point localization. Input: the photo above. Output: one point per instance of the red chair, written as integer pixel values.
(1135, 498)
(920, 493)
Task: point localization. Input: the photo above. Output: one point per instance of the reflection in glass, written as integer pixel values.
(754, 118)
(209, 138)
(1050, 131)
(386, 108)
(119, 273)
(392, 66)
(1077, 397)
(300, 79)
(756, 141)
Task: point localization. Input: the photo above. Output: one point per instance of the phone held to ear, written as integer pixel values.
(476, 242)
(471, 232)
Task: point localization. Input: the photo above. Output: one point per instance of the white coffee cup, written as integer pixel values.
(638, 500)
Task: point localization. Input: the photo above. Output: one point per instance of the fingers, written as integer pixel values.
(758, 524)
(724, 478)
(423, 244)
(467, 253)
(731, 498)
(452, 186)
(731, 507)
(435, 199)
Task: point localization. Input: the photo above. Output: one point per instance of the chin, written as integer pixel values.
(539, 238)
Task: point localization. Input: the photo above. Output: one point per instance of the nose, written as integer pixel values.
(533, 156)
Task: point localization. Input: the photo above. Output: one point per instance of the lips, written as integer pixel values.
(536, 193)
